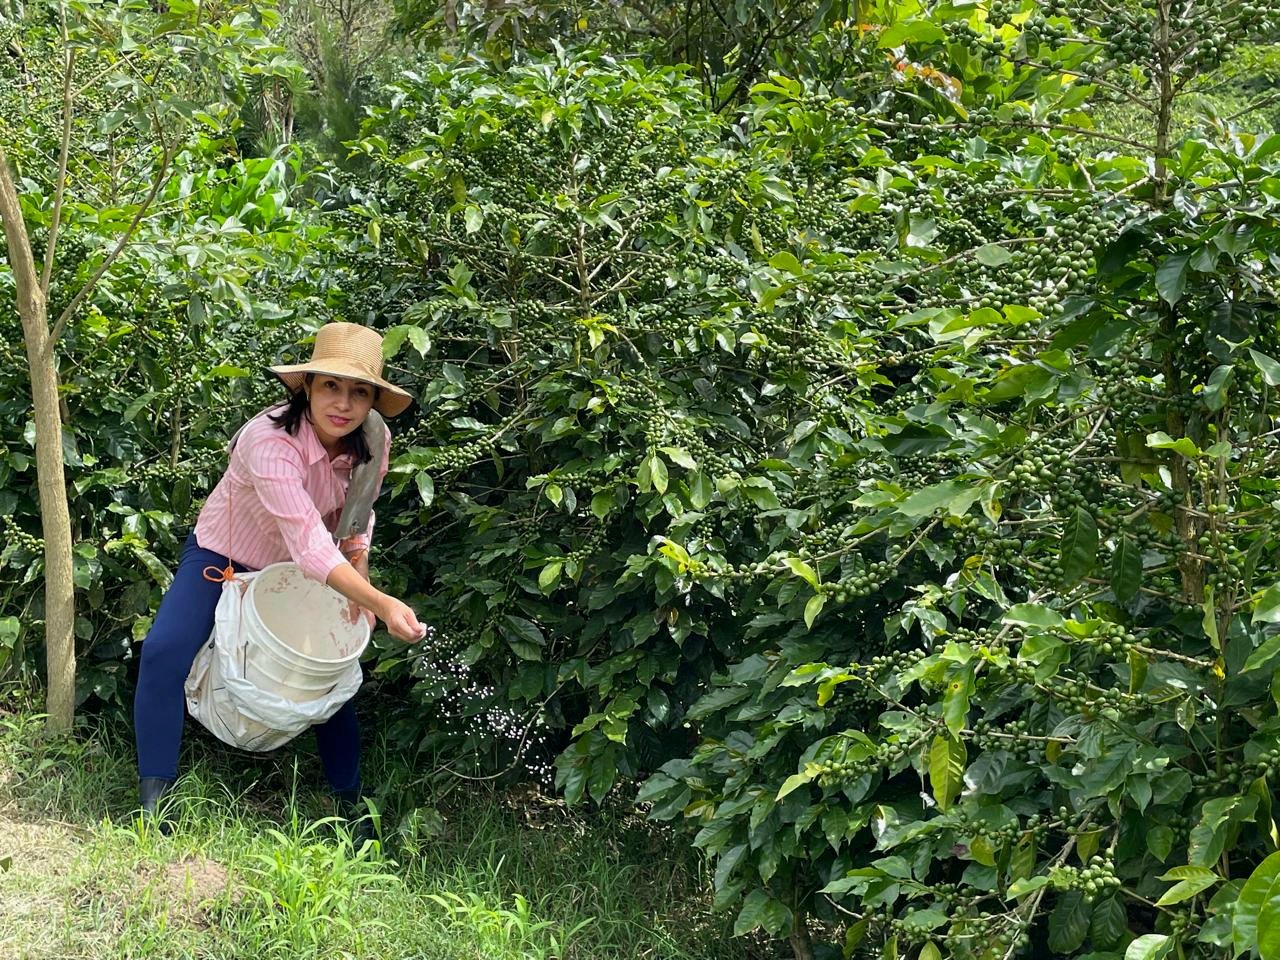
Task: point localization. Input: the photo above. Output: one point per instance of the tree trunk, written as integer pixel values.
(801, 944)
(55, 518)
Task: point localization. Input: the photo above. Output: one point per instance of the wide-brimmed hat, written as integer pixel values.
(347, 350)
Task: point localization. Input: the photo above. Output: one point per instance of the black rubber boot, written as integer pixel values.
(150, 792)
(361, 827)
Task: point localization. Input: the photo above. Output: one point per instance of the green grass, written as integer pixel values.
(258, 867)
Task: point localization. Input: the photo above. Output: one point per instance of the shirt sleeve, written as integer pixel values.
(277, 472)
(363, 541)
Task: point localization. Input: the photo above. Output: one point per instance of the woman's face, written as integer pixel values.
(338, 406)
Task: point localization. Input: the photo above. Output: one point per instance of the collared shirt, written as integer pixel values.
(280, 500)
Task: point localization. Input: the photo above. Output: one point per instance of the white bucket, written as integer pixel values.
(300, 642)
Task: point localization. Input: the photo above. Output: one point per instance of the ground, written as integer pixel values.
(257, 868)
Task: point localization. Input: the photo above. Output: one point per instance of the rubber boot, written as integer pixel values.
(150, 791)
(361, 827)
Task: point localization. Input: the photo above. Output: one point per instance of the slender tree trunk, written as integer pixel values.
(55, 518)
(801, 944)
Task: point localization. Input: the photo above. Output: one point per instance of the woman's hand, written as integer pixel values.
(402, 623)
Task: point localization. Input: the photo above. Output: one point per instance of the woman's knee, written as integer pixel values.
(166, 653)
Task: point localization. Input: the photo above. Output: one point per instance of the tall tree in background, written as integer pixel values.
(341, 43)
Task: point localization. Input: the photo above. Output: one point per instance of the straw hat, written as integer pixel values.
(347, 350)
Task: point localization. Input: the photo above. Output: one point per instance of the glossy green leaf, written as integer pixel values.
(1079, 549)
(1126, 569)
(947, 759)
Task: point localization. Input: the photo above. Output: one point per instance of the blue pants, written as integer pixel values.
(181, 626)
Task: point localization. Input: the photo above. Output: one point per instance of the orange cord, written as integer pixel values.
(220, 574)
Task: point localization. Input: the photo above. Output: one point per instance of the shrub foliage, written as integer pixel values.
(887, 482)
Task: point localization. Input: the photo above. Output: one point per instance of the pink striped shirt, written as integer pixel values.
(280, 500)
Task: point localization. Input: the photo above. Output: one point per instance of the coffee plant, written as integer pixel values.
(887, 480)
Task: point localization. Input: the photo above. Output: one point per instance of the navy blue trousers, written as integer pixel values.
(181, 626)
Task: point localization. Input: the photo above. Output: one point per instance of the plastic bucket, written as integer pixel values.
(298, 639)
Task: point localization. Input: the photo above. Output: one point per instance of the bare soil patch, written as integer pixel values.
(186, 889)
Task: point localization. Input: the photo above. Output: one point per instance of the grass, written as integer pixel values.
(258, 867)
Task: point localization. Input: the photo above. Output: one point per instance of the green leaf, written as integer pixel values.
(473, 218)
(1079, 545)
(1183, 445)
(1189, 872)
(993, 255)
(426, 488)
(1261, 888)
(802, 570)
(602, 504)
(793, 782)
(1269, 930)
(1171, 277)
(911, 31)
(1266, 609)
(929, 951)
(1264, 654)
(947, 758)
(1150, 946)
(1022, 863)
(394, 339)
(1209, 621)
(1109, 924)
(1069, 923)
(1186, 889)
(1034, 615)
(761, 910)
(1268, 367)
(1160, 842)
(136, 407)
(159, 572)
(813, 608)
(701, 490)
(1215, 391)
(1208, 837)
(522, 629)
(1126, 569)
(787, 262)
(955, 701)
(1087, 844)
(1138, 667)
(550, 576)
(658, 473)
(852, 938)
(1020, 888)
(421, 342)
(951, 494)
(680, 457)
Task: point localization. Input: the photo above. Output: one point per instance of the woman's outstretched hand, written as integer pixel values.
(402, 623)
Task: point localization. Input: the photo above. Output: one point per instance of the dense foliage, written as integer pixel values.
(882, 473)
(937, 439)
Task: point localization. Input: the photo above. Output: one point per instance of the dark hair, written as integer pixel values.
(290, 419)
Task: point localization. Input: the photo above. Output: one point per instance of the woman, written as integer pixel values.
(282, 494)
